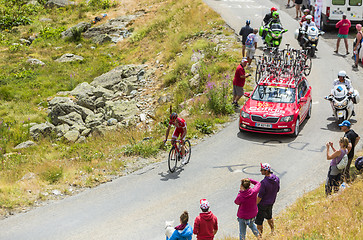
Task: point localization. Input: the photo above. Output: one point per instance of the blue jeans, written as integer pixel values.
(243, 223)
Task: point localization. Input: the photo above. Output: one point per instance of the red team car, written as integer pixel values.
(277, 105)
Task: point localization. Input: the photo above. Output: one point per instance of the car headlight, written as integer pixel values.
(244, 114)
(287, 118)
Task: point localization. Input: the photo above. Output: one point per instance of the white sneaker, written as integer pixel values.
(184, 160)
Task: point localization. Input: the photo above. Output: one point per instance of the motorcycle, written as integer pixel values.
(309, 39)
(273, 34)
(342, 102)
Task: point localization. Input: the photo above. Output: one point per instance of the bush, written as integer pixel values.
(51, 33)
(104, 4)
(203, 126)
(53, 174)
(219, 98)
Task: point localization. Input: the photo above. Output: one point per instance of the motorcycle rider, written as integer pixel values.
(268, 16)
(303, 18)
(266, 20)
(343, 80)
(275, 19)
(305, 25)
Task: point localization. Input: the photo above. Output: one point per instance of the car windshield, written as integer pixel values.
(274, 94)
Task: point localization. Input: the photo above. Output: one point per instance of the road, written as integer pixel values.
(137, 206)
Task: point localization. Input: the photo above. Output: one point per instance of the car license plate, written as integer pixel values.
(263, 125)
(340, 114)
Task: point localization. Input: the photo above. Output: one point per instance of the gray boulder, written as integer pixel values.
(195, 68)
(86, 101)
(94, 120)
(78, 127)
(60, 106)
(102, 38)
(69, 57)
(71, 119)
(59, 3)
(25, 144)
(72, 136)
(34, 61)
(61, 130)
(103, 92)
(83, 89)
(82, 27)
(43, 129)
(121, 110)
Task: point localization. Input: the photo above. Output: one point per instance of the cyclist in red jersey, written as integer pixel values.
(180, 130)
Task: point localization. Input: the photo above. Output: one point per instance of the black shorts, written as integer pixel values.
(298, 2)
(264, 211)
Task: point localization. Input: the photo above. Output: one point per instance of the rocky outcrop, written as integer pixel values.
(114, 30)
(110, 101)
(34, 61)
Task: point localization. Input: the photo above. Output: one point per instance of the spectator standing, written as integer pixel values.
(298, 8)
(343, 26)
(247, 210)
(251, 45)
(239, 81)
(270, 186)
(334, 173)
(244, 32)
(206, 224)
(353, 138)
(183, 231)
(357, 44)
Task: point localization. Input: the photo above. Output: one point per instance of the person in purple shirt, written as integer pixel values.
(270, 185)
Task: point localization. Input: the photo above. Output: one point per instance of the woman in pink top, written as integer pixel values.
(247, 210)
(343, 26)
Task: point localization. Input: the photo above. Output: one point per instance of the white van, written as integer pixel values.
(332, 11)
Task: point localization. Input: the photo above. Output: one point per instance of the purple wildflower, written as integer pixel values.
(209, 76)
(210, 85)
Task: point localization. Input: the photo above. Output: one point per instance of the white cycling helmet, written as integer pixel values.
(342, 74)
(309, 17)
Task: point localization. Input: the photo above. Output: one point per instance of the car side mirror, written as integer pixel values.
(247, 94)
(303, 99)
(321, 32)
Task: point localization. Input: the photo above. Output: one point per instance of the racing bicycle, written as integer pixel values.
(175, 154)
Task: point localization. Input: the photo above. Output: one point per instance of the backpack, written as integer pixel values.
(343, 163)
(359, 163)
(250, 40)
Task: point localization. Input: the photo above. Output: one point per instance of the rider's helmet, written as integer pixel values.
(342, 74)
(273, 9)
(173, 116)
(309, 17)
(275, 15)
(248, 22)
(307, 11)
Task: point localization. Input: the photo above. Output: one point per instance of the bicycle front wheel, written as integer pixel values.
(173, 159)
(188, 151)
(307, 66)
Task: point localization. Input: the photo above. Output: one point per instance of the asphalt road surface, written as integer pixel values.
(137, 206)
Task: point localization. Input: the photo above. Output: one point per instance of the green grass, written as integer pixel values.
(167, 32)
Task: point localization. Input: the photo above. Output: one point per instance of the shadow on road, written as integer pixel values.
(334, 126)
(170, 176)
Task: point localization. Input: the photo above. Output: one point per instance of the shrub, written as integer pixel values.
(51, 33)
(104, 4)
(52, 174)
(219, 98)
(203, 126)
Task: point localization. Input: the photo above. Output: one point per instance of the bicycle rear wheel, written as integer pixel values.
(173, 159)
(188, 151)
